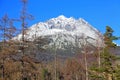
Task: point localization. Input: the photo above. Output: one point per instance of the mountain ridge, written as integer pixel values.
(68, 30)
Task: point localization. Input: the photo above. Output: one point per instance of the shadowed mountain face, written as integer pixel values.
(48, 55)
(116, 50)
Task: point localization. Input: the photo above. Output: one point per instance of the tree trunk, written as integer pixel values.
(86, 67)
(3, 70)
(55, 56)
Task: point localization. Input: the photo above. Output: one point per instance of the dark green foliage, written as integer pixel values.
(46, 75)
(109, 38)
(107, 70)
(117, 72)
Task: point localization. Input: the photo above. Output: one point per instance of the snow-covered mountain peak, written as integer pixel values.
(62, 17)
(68, 28)
(83, 21)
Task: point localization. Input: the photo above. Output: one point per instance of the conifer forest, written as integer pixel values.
(28, 60)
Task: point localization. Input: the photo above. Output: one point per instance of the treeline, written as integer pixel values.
(17, 58)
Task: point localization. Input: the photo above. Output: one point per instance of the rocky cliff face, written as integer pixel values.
(62, 32)
(66, 36)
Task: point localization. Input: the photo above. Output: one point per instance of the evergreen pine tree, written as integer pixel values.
(107, 70)
(109, 38)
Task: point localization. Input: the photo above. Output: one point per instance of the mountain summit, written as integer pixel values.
(63, 31)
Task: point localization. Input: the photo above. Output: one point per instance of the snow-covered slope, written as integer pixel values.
(63, 31)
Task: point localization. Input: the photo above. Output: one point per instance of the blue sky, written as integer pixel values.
(98, 13)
